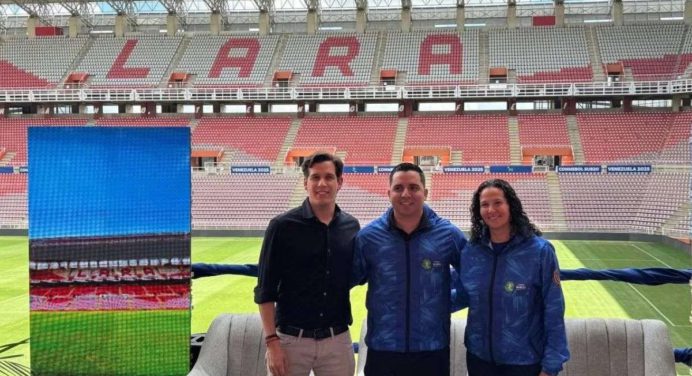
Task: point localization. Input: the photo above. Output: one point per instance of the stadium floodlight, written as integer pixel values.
(672, 18)
(598, 21)
(445, 26)
(475, 24)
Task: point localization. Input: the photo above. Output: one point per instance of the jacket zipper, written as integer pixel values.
(408, 294)
(490, 297)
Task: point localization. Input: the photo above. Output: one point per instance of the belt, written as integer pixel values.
(320, 333)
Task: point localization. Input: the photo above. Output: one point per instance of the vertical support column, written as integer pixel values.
(301, 109)
(216, 108)
(353, 108)
(264, 23)
(569, 106)
(459, 107)
(406, 20)
(361, 20)
(215, 23)
(199, 110)
(618, 13)
(250, 109)
(171, 24)
(31, 24)
(627, 104)
(461, 16)
(405, 108)
(313, 21)
(511, 14)
(121, 25)
(98, 110)
(676, 102)
(559, 14)
(512, 106)
(75, 25)
(688, 12)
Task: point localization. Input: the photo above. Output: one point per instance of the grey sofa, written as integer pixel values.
(234, 346)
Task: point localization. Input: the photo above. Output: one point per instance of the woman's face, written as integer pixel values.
(495, 209)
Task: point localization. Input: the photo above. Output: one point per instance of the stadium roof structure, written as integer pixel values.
(194, 15)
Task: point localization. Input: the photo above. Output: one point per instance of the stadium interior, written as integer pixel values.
(583, 106)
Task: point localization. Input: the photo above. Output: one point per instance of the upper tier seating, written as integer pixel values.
(483, 139)
(541, 54)
(254, 140)
(131, 61)
(365, 139)
(651, 51)
(433, 58)
(543, 130)
(623, 137)
(330, 59)
(222, 60)
(37, 63)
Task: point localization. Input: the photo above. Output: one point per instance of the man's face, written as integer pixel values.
(407, 194)
(322, 184)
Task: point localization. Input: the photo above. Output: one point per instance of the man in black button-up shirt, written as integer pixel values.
(304, 276)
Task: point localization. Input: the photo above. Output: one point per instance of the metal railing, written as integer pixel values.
(293, 94)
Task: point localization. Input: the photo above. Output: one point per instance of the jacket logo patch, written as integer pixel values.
(509, 286)
(520, 287)
(426, 264)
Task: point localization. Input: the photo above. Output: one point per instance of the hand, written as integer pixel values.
(543, 373)
(276, 359)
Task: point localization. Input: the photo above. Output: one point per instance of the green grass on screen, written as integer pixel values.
(215, 295)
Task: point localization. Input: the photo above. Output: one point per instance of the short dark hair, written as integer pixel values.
(319, 157)
(518, 220)
(405, 166)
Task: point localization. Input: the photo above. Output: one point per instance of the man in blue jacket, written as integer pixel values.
(405, 257)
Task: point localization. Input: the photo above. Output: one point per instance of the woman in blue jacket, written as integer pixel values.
(510, 280)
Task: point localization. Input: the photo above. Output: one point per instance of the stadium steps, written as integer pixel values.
(287, 145)
(575, 139)
(456, 157)
(399, 141)
(628, 76)
(514, 145)
(298, 194)
(594, 55)
(557, 208)
(511, 76)
(483, 57)
(681, 215)
(680, 50)
(276, 60)
(182, 47)
(377, 59)
(78, 60)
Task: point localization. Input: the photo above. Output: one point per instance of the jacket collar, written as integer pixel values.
(307, 213)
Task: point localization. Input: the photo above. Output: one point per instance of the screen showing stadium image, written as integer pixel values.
(109, 250)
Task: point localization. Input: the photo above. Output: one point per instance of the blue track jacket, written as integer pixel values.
(516, 306)
(408, 277)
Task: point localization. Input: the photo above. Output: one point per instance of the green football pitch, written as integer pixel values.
(214, 295)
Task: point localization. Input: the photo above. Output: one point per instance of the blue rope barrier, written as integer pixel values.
(646, 276)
